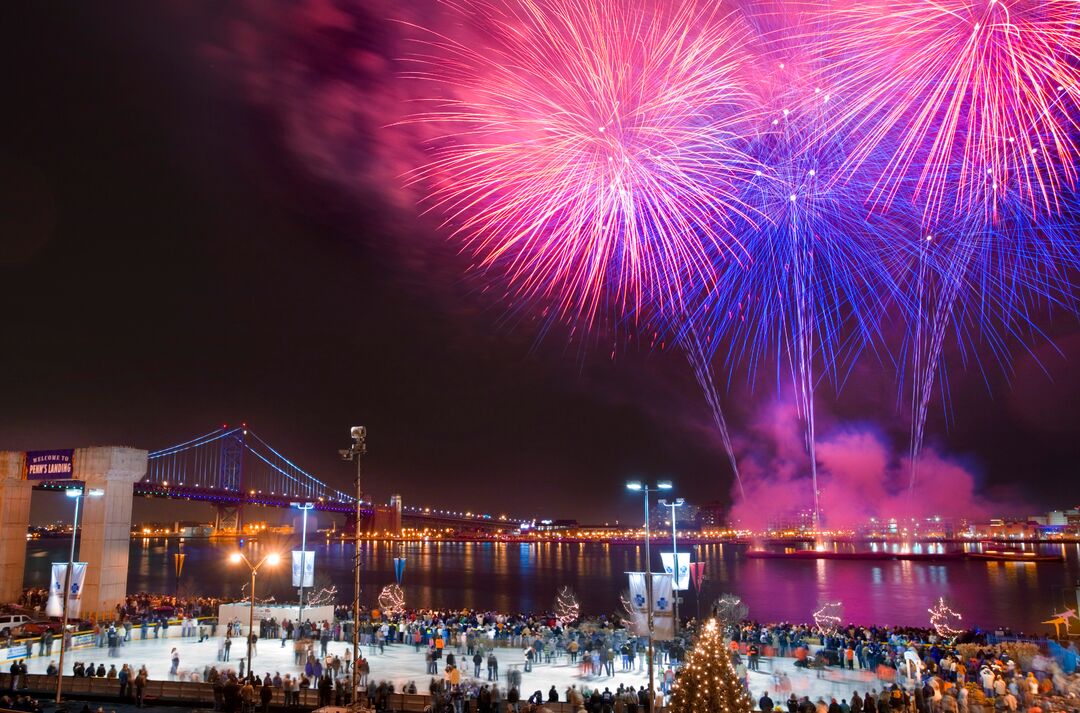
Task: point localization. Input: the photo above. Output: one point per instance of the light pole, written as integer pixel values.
(304, 507)
(271, 559)
(76, 494)
(645, 489)
(676, 503)
(355, 453)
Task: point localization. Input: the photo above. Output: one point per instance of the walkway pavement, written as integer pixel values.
(400, 664)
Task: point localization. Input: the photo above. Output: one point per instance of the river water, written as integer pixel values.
(525, 577)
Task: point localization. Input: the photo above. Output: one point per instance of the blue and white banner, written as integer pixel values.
(399, 568)
(303, 561)
(678, 565)
(50, 465)
(55, 605)
(639, 603)
(662, 606)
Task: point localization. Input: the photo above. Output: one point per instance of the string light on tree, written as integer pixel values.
(730, 609)
(567, 606)
(942, 618)
(245, 595)
(828, 617)
(323, 596)
(392, 600)
(626, 612)
(708, 682)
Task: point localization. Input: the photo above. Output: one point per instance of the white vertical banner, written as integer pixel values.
(678, 565)
(663, 607)
(639, 601)
(55, 605)
(305, 561)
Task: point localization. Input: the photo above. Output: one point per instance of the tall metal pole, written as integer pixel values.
(303, 562)
(648, 589)
(251, 619)
(356, 453)
(303, 556)
(354, 699)
(272, 559)
(675, 559)
(67, 592)
(678, 502)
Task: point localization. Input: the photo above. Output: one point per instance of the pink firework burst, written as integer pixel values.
(591, 152)
(960, 102)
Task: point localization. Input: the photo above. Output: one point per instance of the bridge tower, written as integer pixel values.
(230, 516)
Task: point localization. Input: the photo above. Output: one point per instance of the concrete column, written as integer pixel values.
(14, 519)
(106, 522)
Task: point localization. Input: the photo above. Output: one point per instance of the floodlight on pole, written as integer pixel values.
(271, 559)
(77, 494)
(304, 507)
(645, 489)
(676, 503)
(355, 454)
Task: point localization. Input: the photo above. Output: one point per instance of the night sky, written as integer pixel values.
(183, 245)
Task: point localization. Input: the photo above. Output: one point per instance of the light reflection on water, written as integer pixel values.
(525, 577)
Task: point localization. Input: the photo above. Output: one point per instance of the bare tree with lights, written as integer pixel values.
(567, 607)
(730, 609)
(392, 600)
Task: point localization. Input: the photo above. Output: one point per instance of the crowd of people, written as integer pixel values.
(20, 703)
(912, 670)
(903, 669)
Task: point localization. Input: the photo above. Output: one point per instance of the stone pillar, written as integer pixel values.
(14, 519)
(106, 522)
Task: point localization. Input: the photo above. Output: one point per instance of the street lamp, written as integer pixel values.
(355, 454)
(77, 494)
(304, 507)
(676, 503)
(271, 559)
(645, 489)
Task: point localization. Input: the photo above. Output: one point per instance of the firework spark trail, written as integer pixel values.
(962, 90)
(592, 152)
(814, 287)
(973, 104)
(698, 356)
(932, 324)
(633, 159)
(978, 280)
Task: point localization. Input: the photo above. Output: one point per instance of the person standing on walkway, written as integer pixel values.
(15, 675)
(266, 694)
(247, 696)
(125, 681)
(140, 685)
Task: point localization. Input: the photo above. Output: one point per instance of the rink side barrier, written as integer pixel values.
(203, 693)
(85, 639)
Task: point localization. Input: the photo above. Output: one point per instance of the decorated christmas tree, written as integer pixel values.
(707, 683)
